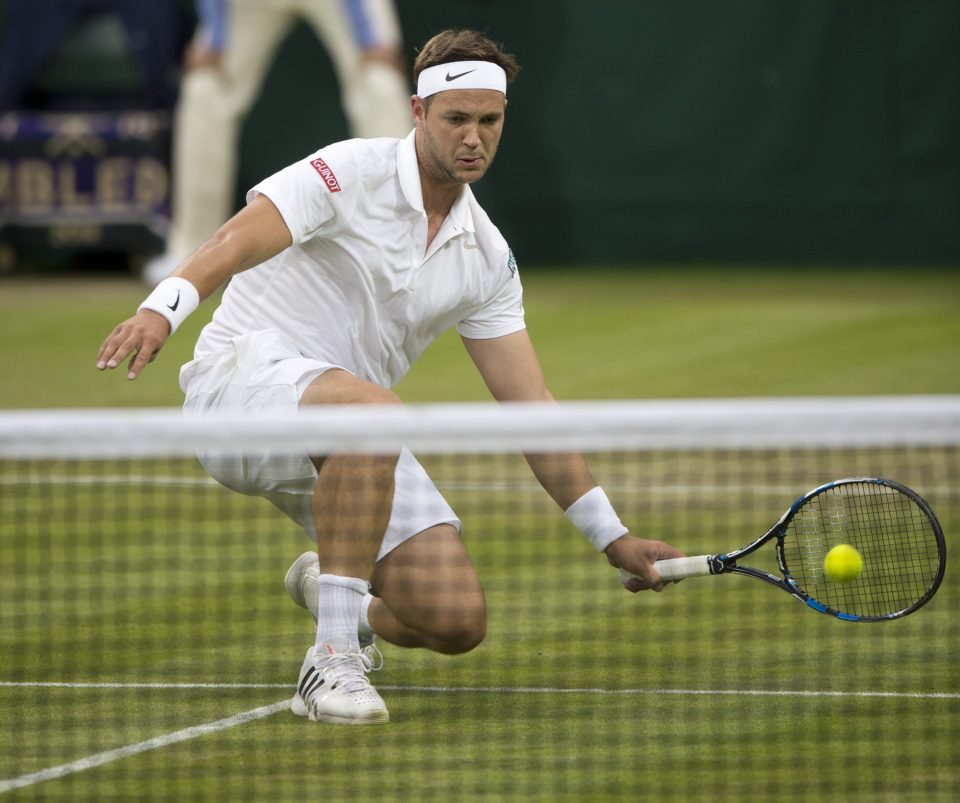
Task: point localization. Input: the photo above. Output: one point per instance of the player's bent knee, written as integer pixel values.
(460, 635)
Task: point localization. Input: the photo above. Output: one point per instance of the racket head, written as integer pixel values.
(891, 526)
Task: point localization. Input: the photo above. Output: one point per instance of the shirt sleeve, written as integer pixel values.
(314, 193)
(503, 314)
(212, 17)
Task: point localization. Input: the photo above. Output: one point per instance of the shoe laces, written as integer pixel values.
(371, 657)
(347, 671)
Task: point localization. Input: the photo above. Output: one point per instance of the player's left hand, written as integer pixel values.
(140, 338)
(637, 556)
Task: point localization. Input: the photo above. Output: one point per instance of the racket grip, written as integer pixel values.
(676, 568)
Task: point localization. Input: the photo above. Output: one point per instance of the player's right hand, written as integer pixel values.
(140, 338)
(637, 556)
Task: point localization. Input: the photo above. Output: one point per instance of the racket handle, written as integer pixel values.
(676, 568)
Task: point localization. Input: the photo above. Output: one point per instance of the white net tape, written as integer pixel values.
(842, 422)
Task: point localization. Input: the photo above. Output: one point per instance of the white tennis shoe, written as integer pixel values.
(303, 582)
(303, 586)
(333, 687)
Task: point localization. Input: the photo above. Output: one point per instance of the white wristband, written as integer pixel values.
(594, 516)
(174, 299)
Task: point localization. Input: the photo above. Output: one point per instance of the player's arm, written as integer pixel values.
(511, 370)
(255, 234)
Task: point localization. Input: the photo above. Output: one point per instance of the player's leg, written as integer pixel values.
(364, 42)
(352, 504)
(428, 594)
(354, 493)
(265, 374)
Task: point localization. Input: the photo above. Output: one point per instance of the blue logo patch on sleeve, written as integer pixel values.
(511, 262)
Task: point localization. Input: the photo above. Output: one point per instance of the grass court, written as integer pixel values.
(147, 646)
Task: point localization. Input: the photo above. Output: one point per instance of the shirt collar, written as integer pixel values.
(408, 174)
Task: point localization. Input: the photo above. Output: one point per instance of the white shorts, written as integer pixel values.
(265, 372)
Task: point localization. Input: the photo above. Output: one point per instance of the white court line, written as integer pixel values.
(98, 759)
(114, 685)
(682, 692)
(904, 695)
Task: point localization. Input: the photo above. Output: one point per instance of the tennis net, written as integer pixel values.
(148, 648)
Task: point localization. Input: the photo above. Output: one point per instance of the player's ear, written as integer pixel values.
(418, 107)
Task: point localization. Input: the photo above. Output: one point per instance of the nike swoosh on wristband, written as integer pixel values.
(173, 307)
(460, 75)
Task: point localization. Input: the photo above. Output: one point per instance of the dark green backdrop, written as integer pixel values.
(782, 131)
(767, 130)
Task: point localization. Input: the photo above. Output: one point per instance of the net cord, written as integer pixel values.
(848, 422)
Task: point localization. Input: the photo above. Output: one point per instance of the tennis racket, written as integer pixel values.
(891, 526)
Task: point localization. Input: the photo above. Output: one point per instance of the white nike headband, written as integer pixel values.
(461, 75)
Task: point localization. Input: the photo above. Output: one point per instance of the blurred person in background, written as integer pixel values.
(225, 65)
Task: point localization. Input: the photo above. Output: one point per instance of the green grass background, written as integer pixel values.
(600, 333)
(151, 584)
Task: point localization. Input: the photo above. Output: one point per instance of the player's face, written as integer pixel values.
(457, 136)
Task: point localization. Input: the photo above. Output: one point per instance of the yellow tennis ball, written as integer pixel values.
(843, 564)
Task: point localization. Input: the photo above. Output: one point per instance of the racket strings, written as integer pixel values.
(897, 541)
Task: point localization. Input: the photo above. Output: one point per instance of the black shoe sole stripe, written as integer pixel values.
(311, 673)
(312, 688)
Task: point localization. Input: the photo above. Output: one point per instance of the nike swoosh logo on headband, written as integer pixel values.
(460, 75)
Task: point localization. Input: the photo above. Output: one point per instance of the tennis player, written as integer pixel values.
(343, 268)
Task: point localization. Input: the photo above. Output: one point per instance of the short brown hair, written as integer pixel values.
(463, 45)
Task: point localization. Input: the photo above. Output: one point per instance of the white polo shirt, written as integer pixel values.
(359, 288)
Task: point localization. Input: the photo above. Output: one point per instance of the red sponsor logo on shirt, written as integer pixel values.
(326, 174)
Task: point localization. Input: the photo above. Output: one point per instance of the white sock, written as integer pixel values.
(340, 601)
(364, 628)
